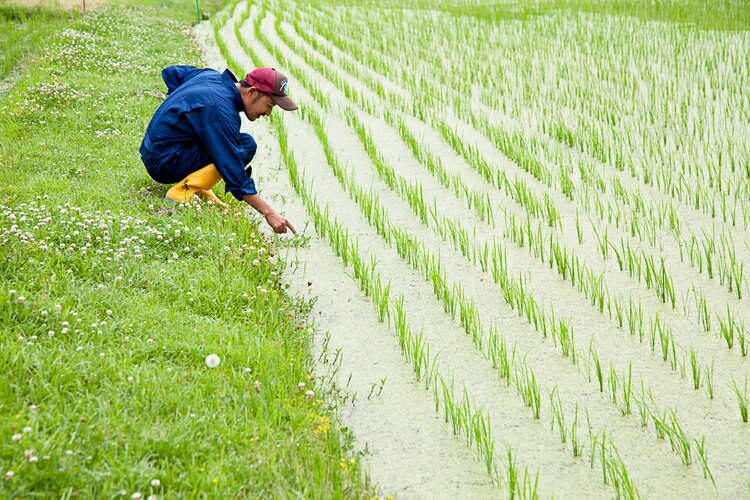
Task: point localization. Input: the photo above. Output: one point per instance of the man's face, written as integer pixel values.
(256, 104)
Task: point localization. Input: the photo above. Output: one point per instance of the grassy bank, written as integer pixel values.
(25, 30)
(111, 300)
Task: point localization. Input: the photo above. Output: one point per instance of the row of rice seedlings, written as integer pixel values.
(465, 420)
(518, 189)
(613, 468)
(702, 249)
(344, 86)
(477, 202)
(639, 265)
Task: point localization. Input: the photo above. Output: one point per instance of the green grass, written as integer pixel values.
(25, 30)
(119, 393)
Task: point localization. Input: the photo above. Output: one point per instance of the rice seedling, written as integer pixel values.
(700, 448)
(742, 398)
(529, 389)
(557, 415)
(695, 369)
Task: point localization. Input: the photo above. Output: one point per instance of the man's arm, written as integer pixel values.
(221, 140)
(276, 221)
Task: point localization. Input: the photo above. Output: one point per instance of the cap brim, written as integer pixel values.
(284, 102)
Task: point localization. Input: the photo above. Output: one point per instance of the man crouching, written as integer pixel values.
(194, 137)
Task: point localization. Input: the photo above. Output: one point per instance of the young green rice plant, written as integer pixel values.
(613, 382)
(642, 405)
(704, 316)
(679, 441)
(529, 389)
(579, 230)
(602, 241)
(742, 398)
(695, 369)
(619, 312)
(519, 486)
(660, 423)
(627, 392)
(564, 333)
(502, 358)
(575, 442)
(700, 447)
(709, 380)
(726, 328)
(557, 415)
(597, 367)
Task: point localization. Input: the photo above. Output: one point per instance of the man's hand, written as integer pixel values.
(278, 223)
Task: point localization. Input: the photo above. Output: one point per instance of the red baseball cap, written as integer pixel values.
(273, 83)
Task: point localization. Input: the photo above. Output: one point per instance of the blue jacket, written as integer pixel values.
(201, 111)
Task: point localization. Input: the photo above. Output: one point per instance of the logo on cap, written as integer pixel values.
(283, 84)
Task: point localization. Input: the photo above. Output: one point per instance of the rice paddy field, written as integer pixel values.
(529, 234)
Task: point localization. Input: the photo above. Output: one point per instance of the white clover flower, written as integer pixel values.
(9, 475)
(301, 385)
(136, 496)
(16, 437)
(26, 429)
(68, 452)
(309, 394)
(212, 360)
(109, 312)
(155, 483)
(248, 370)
